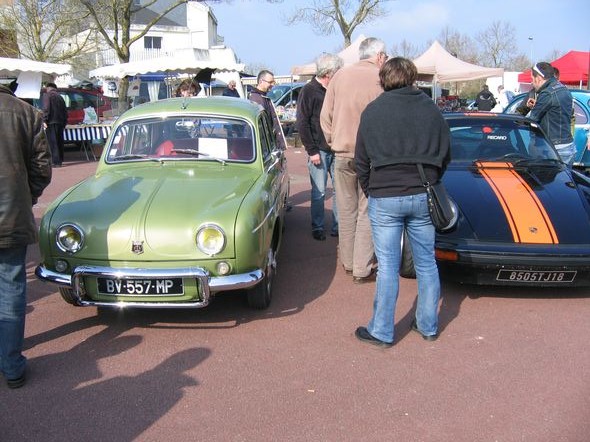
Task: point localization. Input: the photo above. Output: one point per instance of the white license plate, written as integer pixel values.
(140, 287)
(525, 276)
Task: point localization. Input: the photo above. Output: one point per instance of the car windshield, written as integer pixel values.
(490, 139)
(278, 91)
(181, 138)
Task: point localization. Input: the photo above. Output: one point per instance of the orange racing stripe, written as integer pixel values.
(526, 216)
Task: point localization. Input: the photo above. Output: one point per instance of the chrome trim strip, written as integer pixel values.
(209, 284)
(268, 214)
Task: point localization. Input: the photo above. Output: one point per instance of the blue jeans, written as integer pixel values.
(319, 179)
(388, 218)
(13, 305)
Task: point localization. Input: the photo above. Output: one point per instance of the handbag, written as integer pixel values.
(443, 211)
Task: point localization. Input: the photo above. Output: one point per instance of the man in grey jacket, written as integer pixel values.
(25, 171)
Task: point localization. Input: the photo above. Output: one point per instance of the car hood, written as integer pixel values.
(542, 204)
(157, 208)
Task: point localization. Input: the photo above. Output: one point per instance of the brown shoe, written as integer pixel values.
(371, 277)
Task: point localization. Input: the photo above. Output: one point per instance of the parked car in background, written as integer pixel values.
(284, 96)
(188, 200)
(522, 213)
(582, 125)
(77, 99)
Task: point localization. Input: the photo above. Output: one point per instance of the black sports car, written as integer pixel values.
(524, 217)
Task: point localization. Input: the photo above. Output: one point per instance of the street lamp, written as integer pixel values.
(531, 40)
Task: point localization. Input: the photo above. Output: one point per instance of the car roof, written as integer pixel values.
(203, 105)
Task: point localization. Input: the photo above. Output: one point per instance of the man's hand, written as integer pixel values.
(530, 103)
(316, 160)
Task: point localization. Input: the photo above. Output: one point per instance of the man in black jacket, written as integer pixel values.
(25, 171)
(265, 82)
(321, 158)
(485, 100)
(55, 117)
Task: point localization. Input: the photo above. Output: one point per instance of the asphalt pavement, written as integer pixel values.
(510, 364)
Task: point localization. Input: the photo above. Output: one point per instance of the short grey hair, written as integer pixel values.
(371, 47)
(327, 64)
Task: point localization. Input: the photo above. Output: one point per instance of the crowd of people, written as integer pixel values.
(366, 126)
(363, 126)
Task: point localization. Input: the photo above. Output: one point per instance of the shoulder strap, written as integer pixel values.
(422, 174)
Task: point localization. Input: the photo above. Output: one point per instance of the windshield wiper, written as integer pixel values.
(198, 153)
(134, 156)
(538, 161)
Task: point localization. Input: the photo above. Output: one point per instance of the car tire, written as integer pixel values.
(406, 267)
(68, 295)
(260, 296)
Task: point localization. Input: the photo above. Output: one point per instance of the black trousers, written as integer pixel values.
(55, 138)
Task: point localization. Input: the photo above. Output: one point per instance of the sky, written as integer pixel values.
(256, 29)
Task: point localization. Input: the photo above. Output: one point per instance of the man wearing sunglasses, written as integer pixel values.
(265, 82)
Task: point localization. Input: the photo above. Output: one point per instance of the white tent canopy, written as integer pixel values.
(443, 67)
(14, 66)
(349, 55)
(183, 62)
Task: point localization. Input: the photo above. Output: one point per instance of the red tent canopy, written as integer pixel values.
(573, 68)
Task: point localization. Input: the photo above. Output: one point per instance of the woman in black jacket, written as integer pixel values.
(398, 130)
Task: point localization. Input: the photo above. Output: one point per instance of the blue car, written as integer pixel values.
(582, 127)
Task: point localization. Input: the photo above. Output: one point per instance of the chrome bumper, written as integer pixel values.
(209, 284)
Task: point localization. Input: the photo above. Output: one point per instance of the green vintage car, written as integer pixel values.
(188, 200)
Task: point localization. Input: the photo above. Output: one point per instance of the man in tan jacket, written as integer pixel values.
(349, 92)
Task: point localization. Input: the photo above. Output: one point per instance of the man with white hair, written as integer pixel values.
(320, 157)
(349, 92)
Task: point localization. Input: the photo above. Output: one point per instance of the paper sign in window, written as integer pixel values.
(216, 147)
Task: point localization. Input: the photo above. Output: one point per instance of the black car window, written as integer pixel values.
(266, 135)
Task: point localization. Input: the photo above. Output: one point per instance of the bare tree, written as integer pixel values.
(43, 28)
(406, 49)
(553, 55)
(113, 19)
(459, 45)
(497, 43)
(519, 62)
(325, 15)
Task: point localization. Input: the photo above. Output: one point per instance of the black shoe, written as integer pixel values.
(425, 337)
(363, 334)
(334, 234)
(371, 277)
(16, 383)
(318, 235)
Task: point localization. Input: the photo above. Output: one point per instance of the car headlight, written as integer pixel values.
(210, 239)
(69, 238)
